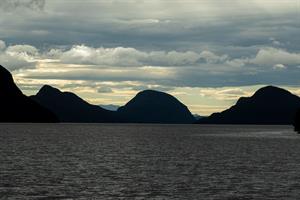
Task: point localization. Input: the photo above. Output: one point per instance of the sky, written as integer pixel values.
(207, 53)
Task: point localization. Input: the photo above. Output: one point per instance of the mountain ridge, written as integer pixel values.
(268, 105)
(71, 108)
(16, 107)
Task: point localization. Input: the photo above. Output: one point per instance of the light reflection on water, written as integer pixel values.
(94, 161)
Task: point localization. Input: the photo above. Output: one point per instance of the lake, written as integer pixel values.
(127, 161)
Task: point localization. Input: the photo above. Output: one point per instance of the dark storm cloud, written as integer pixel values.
(167, 36)
(157, 25)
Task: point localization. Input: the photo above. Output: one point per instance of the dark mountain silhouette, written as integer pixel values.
(155, 107)
(297, 121)
(71, 108)
(16, 107)
(269, 105)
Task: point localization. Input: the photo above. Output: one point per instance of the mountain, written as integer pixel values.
(110, 107)
(197, 117)
(151, 106)
(297, 122)
(269, 105)
(16, 107)
(71, 108)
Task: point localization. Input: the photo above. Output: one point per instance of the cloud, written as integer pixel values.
(81, 54)
(12, 5)
(17, 57)
(210, 57)
(163, 68)
(105, 90)
(272, 56)
(100, 74)
(266, 57)
(14, 63)
(2, 45)
(227, 94)
(275, 42)
(279, 67)
(121, 56)
(172, 58)
(141, 87)
(27, 52)
(163, 25)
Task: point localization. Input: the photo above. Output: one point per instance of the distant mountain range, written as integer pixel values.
(197, 117)
(16, 107)
(146, 107)
(110, 107)
(269, 105)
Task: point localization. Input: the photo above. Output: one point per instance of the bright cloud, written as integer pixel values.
(279, 67)
(121, 56)
(272, 56)
(17, 57)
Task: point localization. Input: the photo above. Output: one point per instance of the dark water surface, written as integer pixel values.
(94, 161)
